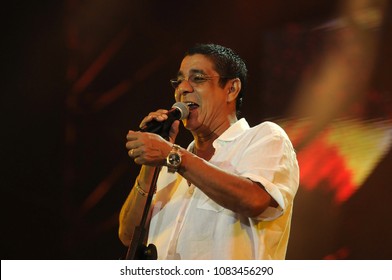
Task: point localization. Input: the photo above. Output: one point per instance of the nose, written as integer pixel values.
(184, 88)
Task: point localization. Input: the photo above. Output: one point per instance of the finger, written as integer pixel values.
(160, 115)
(130, 145)
(133, 153)
(161, 111)
(132, 135)
(146, 120)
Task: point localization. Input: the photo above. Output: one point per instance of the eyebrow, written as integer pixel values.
(192, 71)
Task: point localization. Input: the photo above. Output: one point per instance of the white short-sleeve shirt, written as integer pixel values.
(187, 224)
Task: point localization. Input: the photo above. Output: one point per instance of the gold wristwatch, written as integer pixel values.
(173, 160)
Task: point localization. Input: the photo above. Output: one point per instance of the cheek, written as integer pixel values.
(176, 96)
(199, 99)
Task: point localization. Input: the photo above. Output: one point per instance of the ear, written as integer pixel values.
(234, 88)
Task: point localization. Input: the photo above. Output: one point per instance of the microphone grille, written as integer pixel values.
(183, 108)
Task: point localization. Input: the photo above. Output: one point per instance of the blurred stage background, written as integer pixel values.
(79, 74)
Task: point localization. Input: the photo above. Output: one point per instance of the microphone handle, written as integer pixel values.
(160, 128)
(179, 111)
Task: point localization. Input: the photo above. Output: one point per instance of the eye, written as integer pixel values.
(176, 82)
(198, 79)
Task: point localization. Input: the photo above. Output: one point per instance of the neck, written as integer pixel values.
(203, 142)
(203, 149)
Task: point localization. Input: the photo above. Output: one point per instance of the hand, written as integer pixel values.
(161, 116)
(147, 148)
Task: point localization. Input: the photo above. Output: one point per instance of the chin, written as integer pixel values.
(190, 124)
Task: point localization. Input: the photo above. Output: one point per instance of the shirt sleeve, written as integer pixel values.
(270, 160)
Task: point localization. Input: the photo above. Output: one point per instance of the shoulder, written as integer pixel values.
(268, 129)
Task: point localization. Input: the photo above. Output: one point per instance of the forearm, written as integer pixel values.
(132, 210)
(231, 191)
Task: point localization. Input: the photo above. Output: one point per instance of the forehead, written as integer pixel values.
(196, 63)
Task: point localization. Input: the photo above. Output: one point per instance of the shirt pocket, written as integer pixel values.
(204, 219)
(208, 204)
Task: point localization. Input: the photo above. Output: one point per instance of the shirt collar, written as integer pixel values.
(235, 130)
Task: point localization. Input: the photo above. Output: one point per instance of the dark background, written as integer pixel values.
(79, 74)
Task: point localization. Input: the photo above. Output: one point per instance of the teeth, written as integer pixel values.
(191, 105)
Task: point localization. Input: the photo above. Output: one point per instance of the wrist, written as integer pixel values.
(174, 159)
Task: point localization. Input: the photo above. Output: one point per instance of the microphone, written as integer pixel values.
(179, 111)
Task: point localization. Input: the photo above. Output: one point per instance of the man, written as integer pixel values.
(231, 196)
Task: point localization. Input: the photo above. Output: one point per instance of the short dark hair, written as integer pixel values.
(228, 64)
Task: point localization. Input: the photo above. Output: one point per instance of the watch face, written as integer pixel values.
(174, 159)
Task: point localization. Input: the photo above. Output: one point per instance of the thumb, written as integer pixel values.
(174, 129)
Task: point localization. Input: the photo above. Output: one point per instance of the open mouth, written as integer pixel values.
(192, 105)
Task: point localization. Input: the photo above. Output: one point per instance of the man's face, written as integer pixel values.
(199, 87)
